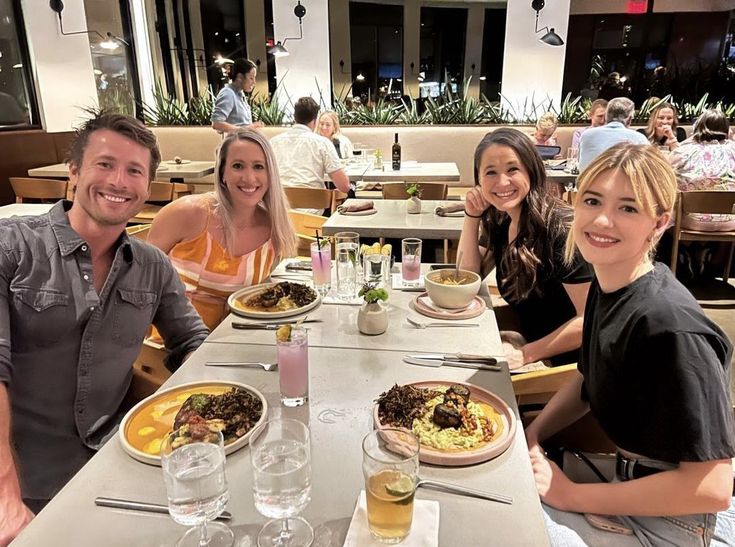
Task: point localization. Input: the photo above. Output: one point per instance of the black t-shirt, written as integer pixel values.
(548, 306)
(656, 371)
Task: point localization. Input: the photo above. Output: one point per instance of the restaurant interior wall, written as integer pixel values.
(532, 70)
(305, 71)
(473, 50)
(255, 37)
(340, 53)
(62, 65)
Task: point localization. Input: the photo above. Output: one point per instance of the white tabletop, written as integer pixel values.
(343, 386)
(391, 220)
(20, 209)
(167, 170)
(415, 172)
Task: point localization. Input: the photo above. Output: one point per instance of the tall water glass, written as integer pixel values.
(347, 245)
(390, 464)
(293, 367)
(411, 261)
(196, 486)
(376, 269)
(321, 266)
(282, 482)
(572, 165)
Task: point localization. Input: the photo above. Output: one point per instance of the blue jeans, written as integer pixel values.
(705, 530)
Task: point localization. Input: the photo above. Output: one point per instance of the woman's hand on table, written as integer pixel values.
(475, 204)
(514, 355)
(554, 487)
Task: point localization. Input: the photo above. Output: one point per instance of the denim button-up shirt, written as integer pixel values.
(232, 107)
(66, 352)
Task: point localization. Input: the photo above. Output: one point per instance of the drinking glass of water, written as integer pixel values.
(282, 482)
(347, 245)
(411, 261)
(194, 472)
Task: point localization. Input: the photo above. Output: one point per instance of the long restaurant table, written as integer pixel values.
(167, 170)
(343, 385)
(410, 171)
(22, 209)
(391, 220)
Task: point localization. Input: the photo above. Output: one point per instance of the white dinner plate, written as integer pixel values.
(169, 402)
(247, 292)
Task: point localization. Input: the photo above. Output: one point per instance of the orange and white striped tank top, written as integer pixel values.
(210, 274)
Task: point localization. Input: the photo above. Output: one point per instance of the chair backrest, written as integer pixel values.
(309, 198)
(41, 189)
(571, 197)
(429, 190)
(140, 231)
(306, 225)
(705, 201)
(161, 191)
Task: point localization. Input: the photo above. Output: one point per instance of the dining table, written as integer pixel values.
(410, 171)
(392, 220)
(22, 209)
(167, 170)
(347, 372)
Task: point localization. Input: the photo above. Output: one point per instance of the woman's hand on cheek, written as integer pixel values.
(475, 203)
(554, 487)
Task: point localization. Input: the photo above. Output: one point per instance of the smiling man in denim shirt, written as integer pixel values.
(76, 298)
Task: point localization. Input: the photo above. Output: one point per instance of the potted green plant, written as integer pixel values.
(372, 318)
(413, 204)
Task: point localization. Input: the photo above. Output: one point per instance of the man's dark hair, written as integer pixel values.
(305, 110)
(123, 125)
(241, 66)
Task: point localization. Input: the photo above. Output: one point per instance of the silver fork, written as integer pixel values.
(265, 366)
(421, 325)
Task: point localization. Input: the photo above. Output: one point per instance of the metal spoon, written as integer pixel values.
(264, 366)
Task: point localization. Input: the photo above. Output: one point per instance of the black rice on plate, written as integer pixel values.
(400, 405)
(236, 411)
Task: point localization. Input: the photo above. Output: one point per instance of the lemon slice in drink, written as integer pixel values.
(400, 487)
(283, 334)
(387, 249)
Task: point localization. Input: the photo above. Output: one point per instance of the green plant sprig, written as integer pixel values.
(371, 294)
(413, 190)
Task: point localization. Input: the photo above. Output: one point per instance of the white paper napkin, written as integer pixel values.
(424, 530)
(396, 283)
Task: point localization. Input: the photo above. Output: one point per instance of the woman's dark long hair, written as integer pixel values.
(543, 219)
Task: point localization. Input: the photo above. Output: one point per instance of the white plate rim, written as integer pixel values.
(269, 314)
(229, 449)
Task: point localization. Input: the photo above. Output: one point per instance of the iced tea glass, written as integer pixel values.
(411, 261)
(293, 367)
(321, 266)
(390, 464)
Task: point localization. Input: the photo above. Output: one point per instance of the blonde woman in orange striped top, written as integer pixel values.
(224, 240)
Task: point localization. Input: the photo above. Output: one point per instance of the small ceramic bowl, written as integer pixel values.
(452, 296)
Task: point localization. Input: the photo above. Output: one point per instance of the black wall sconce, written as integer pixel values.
(473, 73)
(109, 42)
(420, 75)
(279, 50)
(550, 37)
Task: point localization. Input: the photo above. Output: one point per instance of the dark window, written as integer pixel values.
(224, 37)
(376, 40)
(17, 99)
(493, 48)
(442, 49)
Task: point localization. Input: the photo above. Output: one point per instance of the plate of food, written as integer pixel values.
(456, 423)
(235, 409)
(273, 300)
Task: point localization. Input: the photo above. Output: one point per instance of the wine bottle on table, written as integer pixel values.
(396, 154)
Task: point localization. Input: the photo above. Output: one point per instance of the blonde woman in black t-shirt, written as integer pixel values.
(514, 225)
(653, 370)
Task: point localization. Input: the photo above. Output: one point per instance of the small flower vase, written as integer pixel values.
(413, 205)
(372, 319)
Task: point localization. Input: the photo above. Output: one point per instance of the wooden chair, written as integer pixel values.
(140, 231)
(305, 225)
(429, 190)
(38, 189)
(537, 387)
(703, 201)
(311, 198)
(570, 197)
(161, 194)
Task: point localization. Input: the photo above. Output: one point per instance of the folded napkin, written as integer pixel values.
(424, 529)
(445, 210)
(426, 301)
(356, 205)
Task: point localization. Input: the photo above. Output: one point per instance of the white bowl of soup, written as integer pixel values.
(449, 290)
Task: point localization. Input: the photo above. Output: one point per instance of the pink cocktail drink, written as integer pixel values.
(321, 267)
(411, 267)
(293, 368)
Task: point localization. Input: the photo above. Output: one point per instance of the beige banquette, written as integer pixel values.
(420, 142)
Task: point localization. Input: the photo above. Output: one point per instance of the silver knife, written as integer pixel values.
(457, 357)
(461, 364)
(269, 326)
(142, 506)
